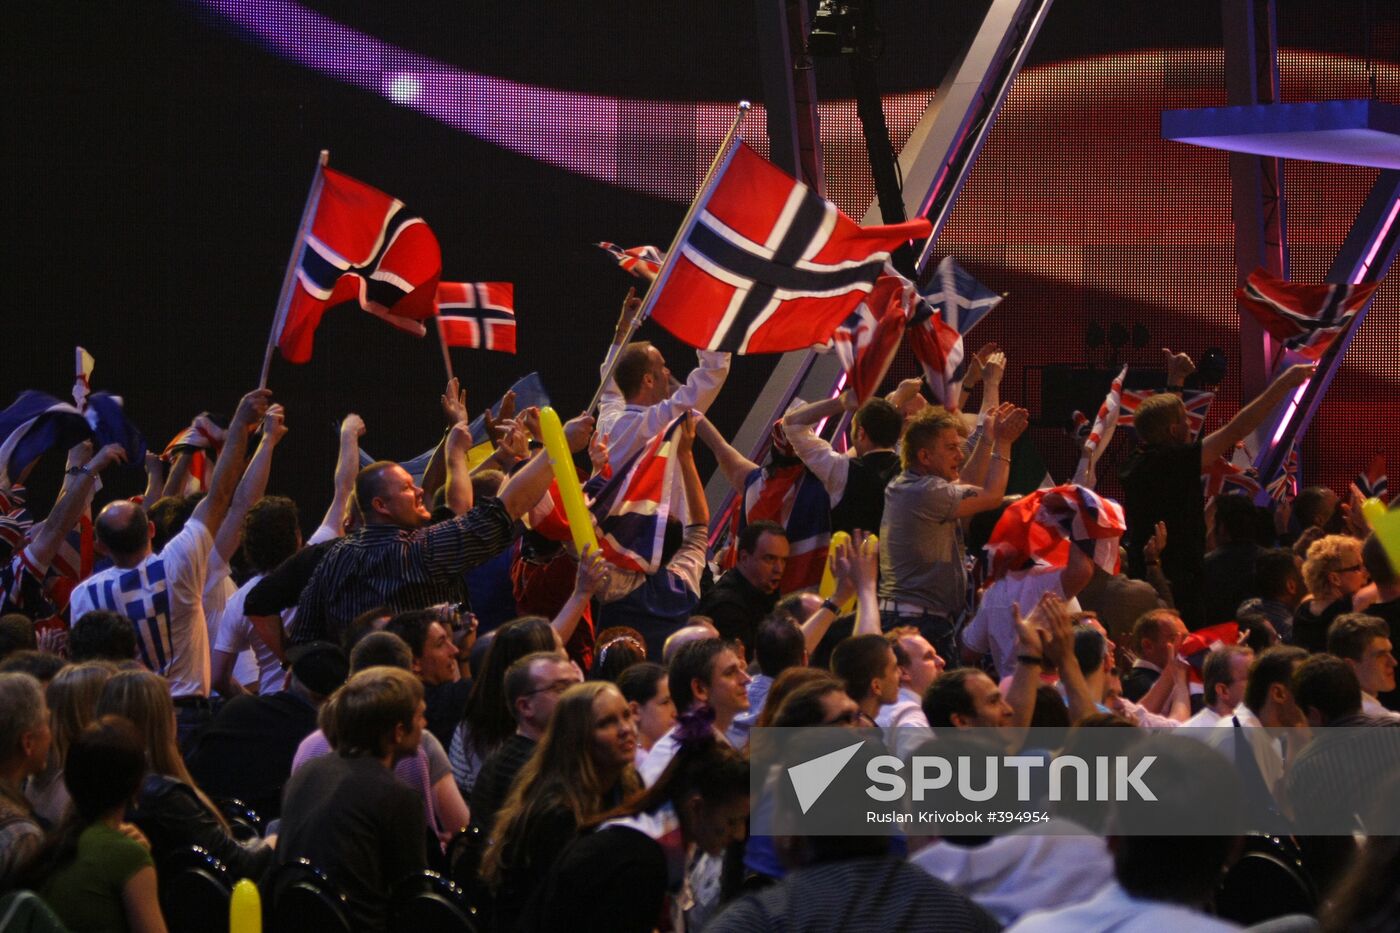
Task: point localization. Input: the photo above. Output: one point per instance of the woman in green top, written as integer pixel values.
(96, 871)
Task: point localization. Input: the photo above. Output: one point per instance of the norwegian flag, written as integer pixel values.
(1373, 482)
(642, 261)
(1043, 525)
(479, 315)
(1285, 485)
(1197, 402)
(633, 505)
(1231, 474)
(866, 341)
(1307, 318)
(33, 425)
(362, 246)
(769, 266)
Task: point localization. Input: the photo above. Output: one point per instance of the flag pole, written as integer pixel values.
(442, 342)
(284, 298)
(702, 196)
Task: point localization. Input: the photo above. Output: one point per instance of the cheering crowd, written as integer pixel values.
(437, 679)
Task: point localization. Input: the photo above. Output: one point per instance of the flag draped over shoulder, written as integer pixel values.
(477, 315)
(642, 261)
(362, 246)
(769, 266)
(1197, 402)
(1307, 318)
(1373, 481)
(788, 493)
(866, 341)
(1042, 526)
(34, 424)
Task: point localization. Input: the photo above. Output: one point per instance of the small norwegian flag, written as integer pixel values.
(642, 261)
(477, 315)
(1307, 318)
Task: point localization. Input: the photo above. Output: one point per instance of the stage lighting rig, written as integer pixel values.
(845, 27)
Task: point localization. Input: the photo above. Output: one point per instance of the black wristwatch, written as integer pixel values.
(1030, 659)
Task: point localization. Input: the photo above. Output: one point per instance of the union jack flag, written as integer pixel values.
(201, 438)
(792, 496)
(1285, 485)
(1373, 482)
(1307, 318)
(866, 341)
(1043, 525)
(479, 315)
(769, 266)
(632, 506)
(362, 246)
(1234, 471)
(15, 521)
(642, 261)
(939, 350)
(1197, 402)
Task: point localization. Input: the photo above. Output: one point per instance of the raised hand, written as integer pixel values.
(1011, 425)
(352, 425)
(577, 431)
(593, 572)
(993, 368)
(108, 455)
(1179, 366)
(274, 423)
(251, 409)
(1295, 376)
(454, 402)
(1152, 550)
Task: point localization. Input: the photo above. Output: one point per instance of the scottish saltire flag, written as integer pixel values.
(34, 424)
(1197, 402)
(106, 415)
(363, 246)
(1041, 527)
(83, 364)
(866, 341)
(642, 261)
(959, 297)
(769, 265)
(477, 315)
(631, 507)
(939, 349)
(1307, 318)
(1285, 485)
(1373, 482)
(529, 393)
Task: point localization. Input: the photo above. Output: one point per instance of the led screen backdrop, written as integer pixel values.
(159, 157)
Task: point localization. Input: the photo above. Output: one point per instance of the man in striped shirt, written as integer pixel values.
(397, 559)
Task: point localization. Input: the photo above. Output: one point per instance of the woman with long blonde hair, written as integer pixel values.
(582, 768)
(72, 698)
(170, 808)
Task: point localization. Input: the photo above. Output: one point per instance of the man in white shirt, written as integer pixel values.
(993, 630)
(919, 666)
(705, 673)
(642, 397)
(163, 594)
(1225, 673)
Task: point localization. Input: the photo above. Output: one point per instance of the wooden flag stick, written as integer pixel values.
(284, 299)
(702, 196)
(442, 342)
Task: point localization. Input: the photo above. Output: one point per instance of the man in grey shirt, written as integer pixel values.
(923, 581)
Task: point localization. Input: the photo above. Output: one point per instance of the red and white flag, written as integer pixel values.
(1197, 402)
(477, 315)
(866, 341)
(1307, 318)
(769, 266)
(363, 246)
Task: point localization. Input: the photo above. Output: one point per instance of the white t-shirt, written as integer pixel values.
(993, 630)
(218, 587)
(236, 635)
(163, 598)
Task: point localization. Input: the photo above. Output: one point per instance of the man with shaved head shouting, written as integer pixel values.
(162, 594)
